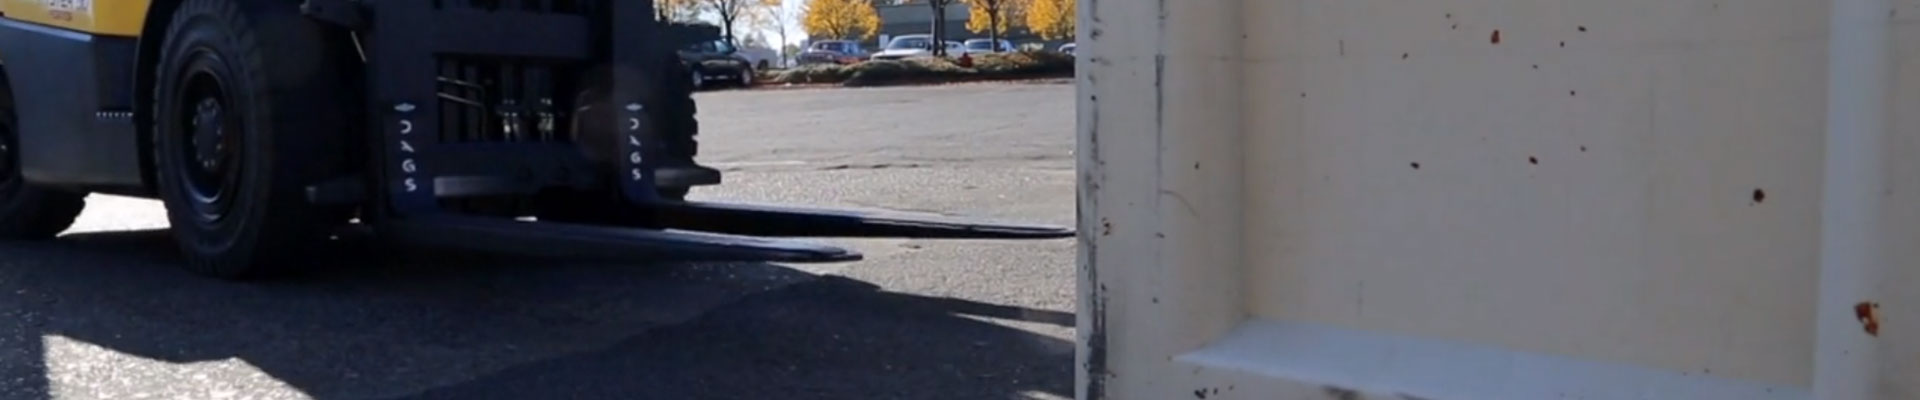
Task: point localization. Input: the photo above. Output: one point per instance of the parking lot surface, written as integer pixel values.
(103, 312)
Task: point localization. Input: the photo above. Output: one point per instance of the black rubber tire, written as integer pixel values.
(285, 96)
(692, 83)
(28, 212)
(670, 110)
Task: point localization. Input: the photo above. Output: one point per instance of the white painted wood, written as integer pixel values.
(1616, 199)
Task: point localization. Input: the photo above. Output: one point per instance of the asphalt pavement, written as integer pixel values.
(103, 312)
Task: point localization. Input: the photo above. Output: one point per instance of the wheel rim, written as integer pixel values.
(209, 162)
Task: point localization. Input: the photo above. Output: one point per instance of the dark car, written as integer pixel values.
(711, 57)
(832, 52)
(715, 61)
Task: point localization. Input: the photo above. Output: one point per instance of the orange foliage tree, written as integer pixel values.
(994, 17)
(1051, 19)
(840, 19)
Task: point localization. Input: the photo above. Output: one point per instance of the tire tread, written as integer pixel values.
(292, 96)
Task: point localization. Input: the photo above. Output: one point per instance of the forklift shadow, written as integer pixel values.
(438, 325)
(832, 338)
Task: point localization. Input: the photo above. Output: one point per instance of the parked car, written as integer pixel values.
(716, 61)
(832, 52)
(983, 46)
(761, 57)
(914, 45)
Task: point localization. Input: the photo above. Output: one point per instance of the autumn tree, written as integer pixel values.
(755, 39)
(779, 18)
(734, 12)
(939, 26)
(1051, 19)
(676, 10)
(840, 19)
(787, 51)
(993, 16)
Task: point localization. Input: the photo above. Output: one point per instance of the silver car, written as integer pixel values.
(832, 52)
(983, 46)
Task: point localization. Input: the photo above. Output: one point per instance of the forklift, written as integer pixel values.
(548, 128)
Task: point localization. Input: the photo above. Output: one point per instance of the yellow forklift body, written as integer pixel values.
(72, 67)
(99, 17)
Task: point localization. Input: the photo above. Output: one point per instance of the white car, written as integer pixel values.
(915, 45)
(761, 57)
(985, 46)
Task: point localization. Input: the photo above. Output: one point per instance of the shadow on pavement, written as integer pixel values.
(833, 338)
(470, 327)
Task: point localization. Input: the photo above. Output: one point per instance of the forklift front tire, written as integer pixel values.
(246, 113)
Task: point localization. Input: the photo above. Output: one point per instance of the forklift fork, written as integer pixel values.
(414, 169)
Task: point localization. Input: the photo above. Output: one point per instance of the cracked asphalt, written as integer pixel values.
(103, 314)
